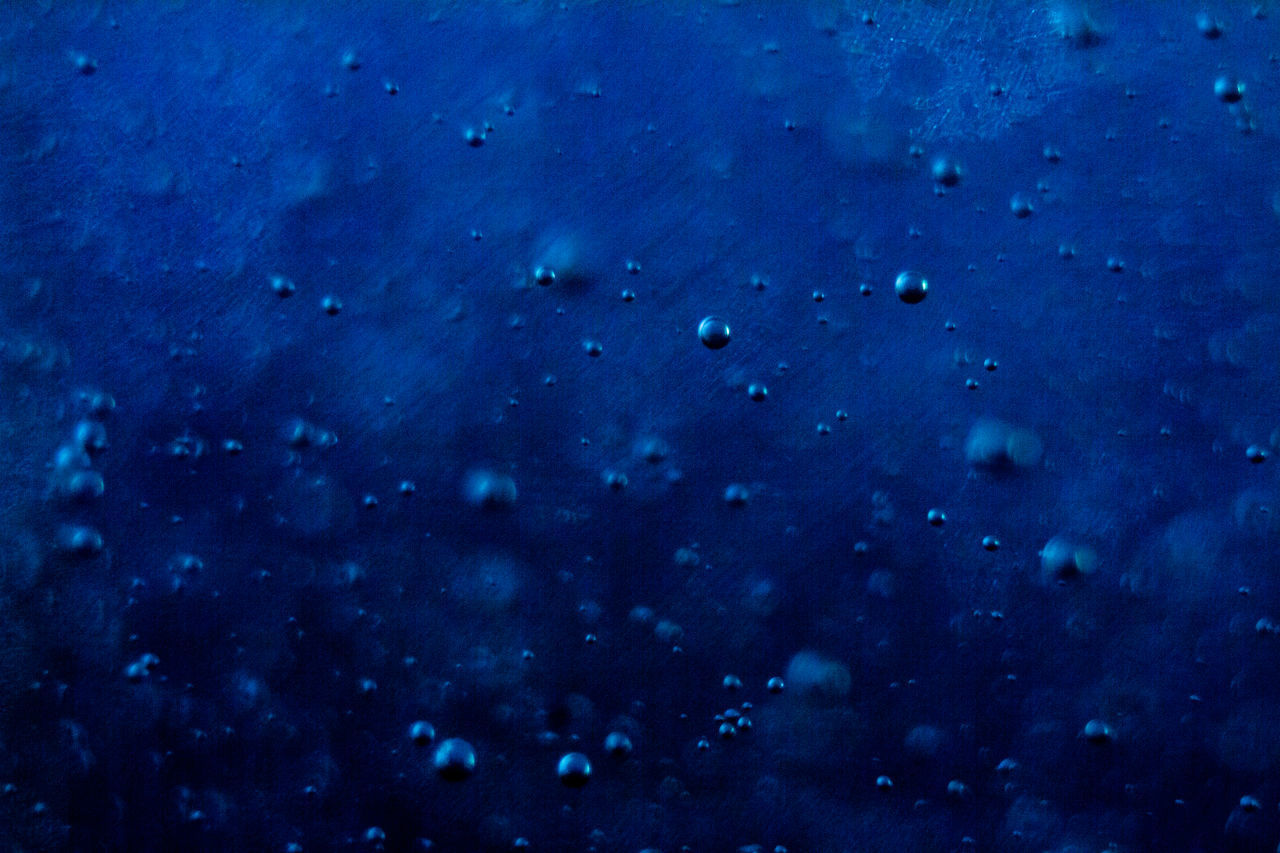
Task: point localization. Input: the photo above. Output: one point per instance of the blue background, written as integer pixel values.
(433, 502)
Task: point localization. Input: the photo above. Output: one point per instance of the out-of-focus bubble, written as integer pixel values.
(1062, 559)
(995, 445)
(813, 675)
(489, 490)
(455, 760)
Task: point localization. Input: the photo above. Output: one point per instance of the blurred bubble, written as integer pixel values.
(489, 490)
(455, 760)
(995, 445)
(574, 770)
(1062, 559)
(812, 675)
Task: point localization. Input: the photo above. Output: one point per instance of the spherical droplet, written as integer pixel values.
(911, 287)
(714, 332)
(455, 760)
(574, 769)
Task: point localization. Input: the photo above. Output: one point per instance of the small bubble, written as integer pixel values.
(422, 733)
(283, 286)
(618, 745)
(1209, 26)
(1097, 732)
(911, 287)
(455, 760)
(714, 332)
(574, 769)
(946, 172)
(1228, 89)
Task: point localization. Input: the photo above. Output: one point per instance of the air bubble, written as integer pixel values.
(911, 287)
(714, 332)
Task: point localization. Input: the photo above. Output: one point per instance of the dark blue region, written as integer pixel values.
(355, 376)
